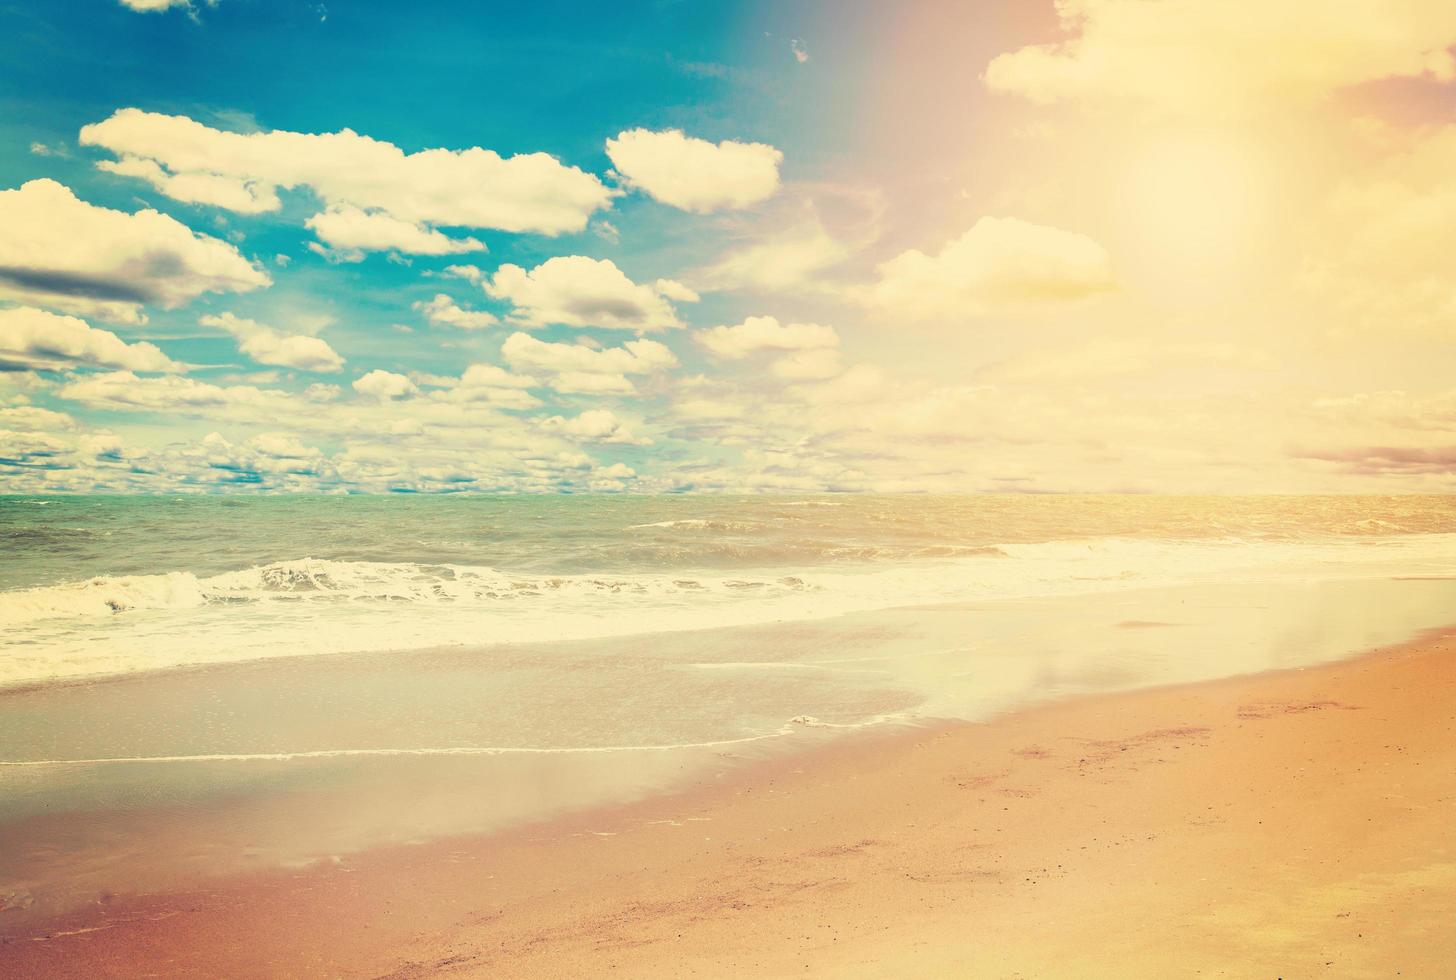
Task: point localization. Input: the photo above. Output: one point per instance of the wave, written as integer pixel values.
(118, 624)
(907, 574)
(323, 580)
(698, 524)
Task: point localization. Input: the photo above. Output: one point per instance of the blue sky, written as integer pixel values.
(838, 246)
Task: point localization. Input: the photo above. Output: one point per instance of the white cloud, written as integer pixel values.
(595, 425)
(124, 391)
(612, 477)
(574, 369)
(808, 365)
(385, 385)
(693, 174)
(59, 251)
(30, 449)
(32, 339)
(576, 291)
(214, 190)
(1228, 56)
(266, 345)
(801, 53)
(474, 188)
(999, 265)
(1389, 415)
(779, 260)
(152, 6)
(676, 291)
(470, 273)
(273, 454)
(452, 435)
(29, 418)
(606, 231)
(586, 383)
(354, 229)
(1384, 249)
(808, 230)
(494, 376)
(444, 310)
(486, 383)
(761, 333)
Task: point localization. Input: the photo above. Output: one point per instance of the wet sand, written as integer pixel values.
(1295, 823)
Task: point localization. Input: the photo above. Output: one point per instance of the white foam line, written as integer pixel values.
(344, 753)
(797, 724)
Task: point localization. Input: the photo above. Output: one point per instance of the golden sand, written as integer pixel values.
(1294, 824)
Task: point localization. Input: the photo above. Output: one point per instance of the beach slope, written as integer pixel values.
(1294, 823)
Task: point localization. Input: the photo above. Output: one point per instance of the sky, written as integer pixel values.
(1184, 246)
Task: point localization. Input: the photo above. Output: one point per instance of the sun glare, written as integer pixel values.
(1192, 204)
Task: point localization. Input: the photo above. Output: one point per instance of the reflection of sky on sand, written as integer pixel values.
(1000, 656)
(317, 757)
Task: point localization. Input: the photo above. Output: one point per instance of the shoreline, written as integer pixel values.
(1203, 826)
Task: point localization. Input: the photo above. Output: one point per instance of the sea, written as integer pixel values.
(288, 679)
(93, 586)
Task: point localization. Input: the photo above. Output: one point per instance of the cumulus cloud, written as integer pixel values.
(676, 291)
(574, 369)
(29, 418)
(268, 454)
(445, 311)
(451, 435)
(213, 190)
(999, 265)
(576, 291)
(385, 385)
(375, 194)
(595, 425)
(353, 229)
(125, 391)
(760, 333)
(484, 383)
(470, 273)
(267, 346)
(61, 252)
(30, 449)
(809, 351)
(494, 376)
(32, 339)
(694, 174)
(1228, 56)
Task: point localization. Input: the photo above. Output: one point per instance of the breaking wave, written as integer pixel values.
(325, 581)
